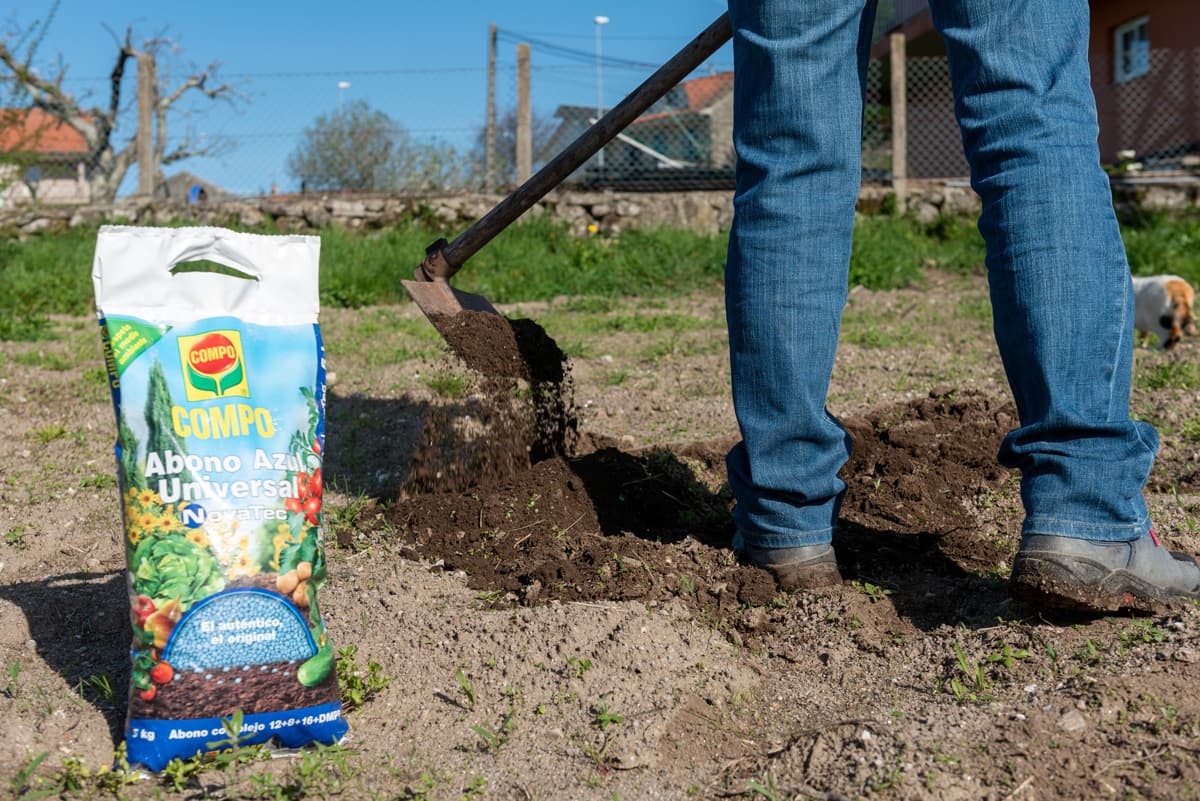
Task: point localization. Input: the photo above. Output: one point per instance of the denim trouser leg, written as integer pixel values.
(1061, 293)
(1059, 281)
(798, 83)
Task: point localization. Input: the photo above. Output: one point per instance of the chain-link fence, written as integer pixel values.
(381, 131)
(1152, 121)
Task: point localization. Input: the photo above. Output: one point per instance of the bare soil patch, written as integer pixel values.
(566, 619)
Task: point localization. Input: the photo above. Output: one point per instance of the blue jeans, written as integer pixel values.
(1059, 281)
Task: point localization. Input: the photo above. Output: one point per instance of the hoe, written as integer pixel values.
(430, 287)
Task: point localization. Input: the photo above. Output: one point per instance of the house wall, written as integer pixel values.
(721, 130)
(55, 190)
(1157, 111)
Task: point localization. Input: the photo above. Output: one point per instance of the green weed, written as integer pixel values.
(448, 385)
(465, 687)
(12, 670)
(971, 682)
(100, 684)
(1168, 375)
(1006, 657)
(495, 737)
(49, 433)
(578, 667)
(873, 591)
(602, 718)
(357, 685)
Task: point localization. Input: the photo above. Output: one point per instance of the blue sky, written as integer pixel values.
(423, 63)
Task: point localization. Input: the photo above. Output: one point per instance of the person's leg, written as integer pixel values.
(1060, 287)
(798, 87)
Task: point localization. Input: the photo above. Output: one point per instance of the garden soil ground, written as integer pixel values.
(561, 616)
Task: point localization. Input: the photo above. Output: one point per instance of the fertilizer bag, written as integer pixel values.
(217, 373)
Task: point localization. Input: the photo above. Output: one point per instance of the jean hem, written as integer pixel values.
(1081, 530)
(794, 539)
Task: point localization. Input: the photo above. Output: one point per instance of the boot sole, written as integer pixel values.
(1048, 583)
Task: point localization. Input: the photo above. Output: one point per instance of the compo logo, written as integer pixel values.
(213, 366)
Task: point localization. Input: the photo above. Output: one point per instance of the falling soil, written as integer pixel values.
(524, 411)
(222, 691)
(587, 520)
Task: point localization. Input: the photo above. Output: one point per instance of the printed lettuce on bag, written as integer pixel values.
(217, 373)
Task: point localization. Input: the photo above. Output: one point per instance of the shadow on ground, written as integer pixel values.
(80, 626)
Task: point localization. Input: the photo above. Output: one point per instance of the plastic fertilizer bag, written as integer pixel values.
(217, 373)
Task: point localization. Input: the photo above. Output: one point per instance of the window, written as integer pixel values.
(1132, 49)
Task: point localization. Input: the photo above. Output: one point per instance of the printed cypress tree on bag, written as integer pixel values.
(161, 436)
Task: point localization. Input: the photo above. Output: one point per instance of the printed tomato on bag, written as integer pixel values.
(217, 373)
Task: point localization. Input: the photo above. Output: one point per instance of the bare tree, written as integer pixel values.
(109, 158)
(505, 170)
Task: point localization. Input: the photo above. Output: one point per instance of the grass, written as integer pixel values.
(1157, 243)
(531, 261)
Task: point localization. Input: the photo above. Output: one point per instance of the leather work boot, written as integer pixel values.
(806, 567)
(1070, 573)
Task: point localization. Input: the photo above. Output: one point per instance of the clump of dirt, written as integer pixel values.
(913, 465)
(596, 522)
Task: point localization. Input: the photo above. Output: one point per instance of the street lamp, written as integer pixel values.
(342, 86)
(600, 21)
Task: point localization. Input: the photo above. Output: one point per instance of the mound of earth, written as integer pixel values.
(532, 519)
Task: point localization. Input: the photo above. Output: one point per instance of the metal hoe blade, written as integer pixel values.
(439, 298)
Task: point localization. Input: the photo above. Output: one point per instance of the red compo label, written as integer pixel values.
(213, 355)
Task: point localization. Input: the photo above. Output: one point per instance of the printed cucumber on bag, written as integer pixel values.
(218, 387)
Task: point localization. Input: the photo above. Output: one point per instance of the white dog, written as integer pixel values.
(1163, 307)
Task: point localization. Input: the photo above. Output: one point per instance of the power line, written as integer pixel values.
(570, 52)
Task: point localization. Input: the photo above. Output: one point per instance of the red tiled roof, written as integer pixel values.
(701, 92)
(37, 131)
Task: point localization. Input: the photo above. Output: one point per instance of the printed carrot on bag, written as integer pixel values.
(217, 373)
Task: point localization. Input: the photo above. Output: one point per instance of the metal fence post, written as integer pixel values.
(524, 117)
(899, 122)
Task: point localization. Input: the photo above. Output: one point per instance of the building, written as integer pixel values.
(686, 138)
(42, 159)
(1145, 59)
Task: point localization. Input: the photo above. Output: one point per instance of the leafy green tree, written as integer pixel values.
(360, 148)
(351, 148)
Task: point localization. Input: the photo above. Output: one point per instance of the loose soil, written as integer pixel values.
(560, 613)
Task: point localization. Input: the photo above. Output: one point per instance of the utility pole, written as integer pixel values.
(600, 21)
(899, 121)
(489, 149)
(147, 92)
(524, 117)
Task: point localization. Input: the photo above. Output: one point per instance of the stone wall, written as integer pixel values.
(707, 212)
